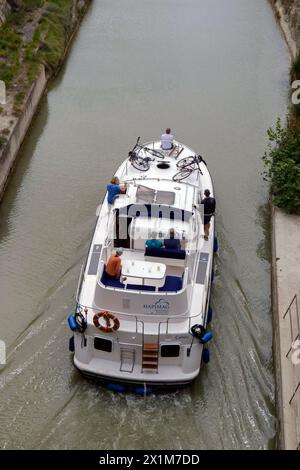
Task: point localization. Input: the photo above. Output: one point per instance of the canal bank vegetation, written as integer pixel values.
(35, 34)
(282, 165)
(282, 159)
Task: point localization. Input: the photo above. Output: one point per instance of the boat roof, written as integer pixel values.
(156, 186)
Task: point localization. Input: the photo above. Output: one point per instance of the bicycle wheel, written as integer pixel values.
(155, 153)
(140, 164)
(182, 174)
(186, 162)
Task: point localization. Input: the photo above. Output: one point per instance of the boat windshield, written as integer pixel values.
(152, 196)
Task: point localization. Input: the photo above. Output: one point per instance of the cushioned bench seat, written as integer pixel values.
(108, 281)
(165, 253)
(139, 287)
(172, 284)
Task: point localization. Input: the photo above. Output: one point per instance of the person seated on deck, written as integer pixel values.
(113, 267)
(167, 140)
(114, 189)
(172, 243)
(154, 242)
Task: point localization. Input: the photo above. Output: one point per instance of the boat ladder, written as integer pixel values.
(176, 151)
(127, 360)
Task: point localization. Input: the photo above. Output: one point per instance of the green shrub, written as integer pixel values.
(282, 167)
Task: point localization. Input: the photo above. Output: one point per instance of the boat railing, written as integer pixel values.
(133, 316)
(135, 180)
(80, 280)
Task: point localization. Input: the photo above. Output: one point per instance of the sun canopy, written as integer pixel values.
(156, 211)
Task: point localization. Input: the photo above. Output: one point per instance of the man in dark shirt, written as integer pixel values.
(209, 210)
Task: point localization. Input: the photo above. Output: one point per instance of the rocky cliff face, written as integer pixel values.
(5, 10)
(6, 7)
(288, 12)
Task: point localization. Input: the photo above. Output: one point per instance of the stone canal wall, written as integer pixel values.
(286, 276)
(8, 154)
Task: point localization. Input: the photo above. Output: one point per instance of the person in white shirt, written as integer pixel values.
(167, 140)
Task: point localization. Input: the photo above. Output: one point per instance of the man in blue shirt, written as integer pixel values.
(114, 189)
(172, 243)
(154, 242)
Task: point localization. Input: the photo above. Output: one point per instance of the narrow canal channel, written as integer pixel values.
(217, 73)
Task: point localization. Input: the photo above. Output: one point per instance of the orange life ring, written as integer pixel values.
(112, 323)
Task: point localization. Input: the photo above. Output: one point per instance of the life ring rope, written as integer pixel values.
(112, 323)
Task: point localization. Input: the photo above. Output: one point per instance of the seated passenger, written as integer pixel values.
(114, 189)
(113, 267)
(172, 243)
(154, 242)
(167, 140)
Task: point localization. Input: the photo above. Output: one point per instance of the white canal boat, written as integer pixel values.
(149, 327)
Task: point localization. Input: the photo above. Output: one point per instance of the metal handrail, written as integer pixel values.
(289, 314)
(294, 394)
(288, 311)
(289, 307)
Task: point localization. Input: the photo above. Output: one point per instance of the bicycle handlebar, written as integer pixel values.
(154, 152)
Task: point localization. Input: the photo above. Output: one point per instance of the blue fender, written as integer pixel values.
(205, 355)
(71, 344)
(72, 322)
(114, 387)
(206, 337)
(209, 315)
(142, 391)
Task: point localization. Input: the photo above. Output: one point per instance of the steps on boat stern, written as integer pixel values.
(150, 357)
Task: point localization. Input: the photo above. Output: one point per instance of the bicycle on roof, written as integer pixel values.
(187, 166)
(138, 161)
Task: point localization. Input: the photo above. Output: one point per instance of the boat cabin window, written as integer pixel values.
(134, 224)
(165, 197)
(152, 196)
(102, 344)
(144, 194)
(122, 231)
(170, 350)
